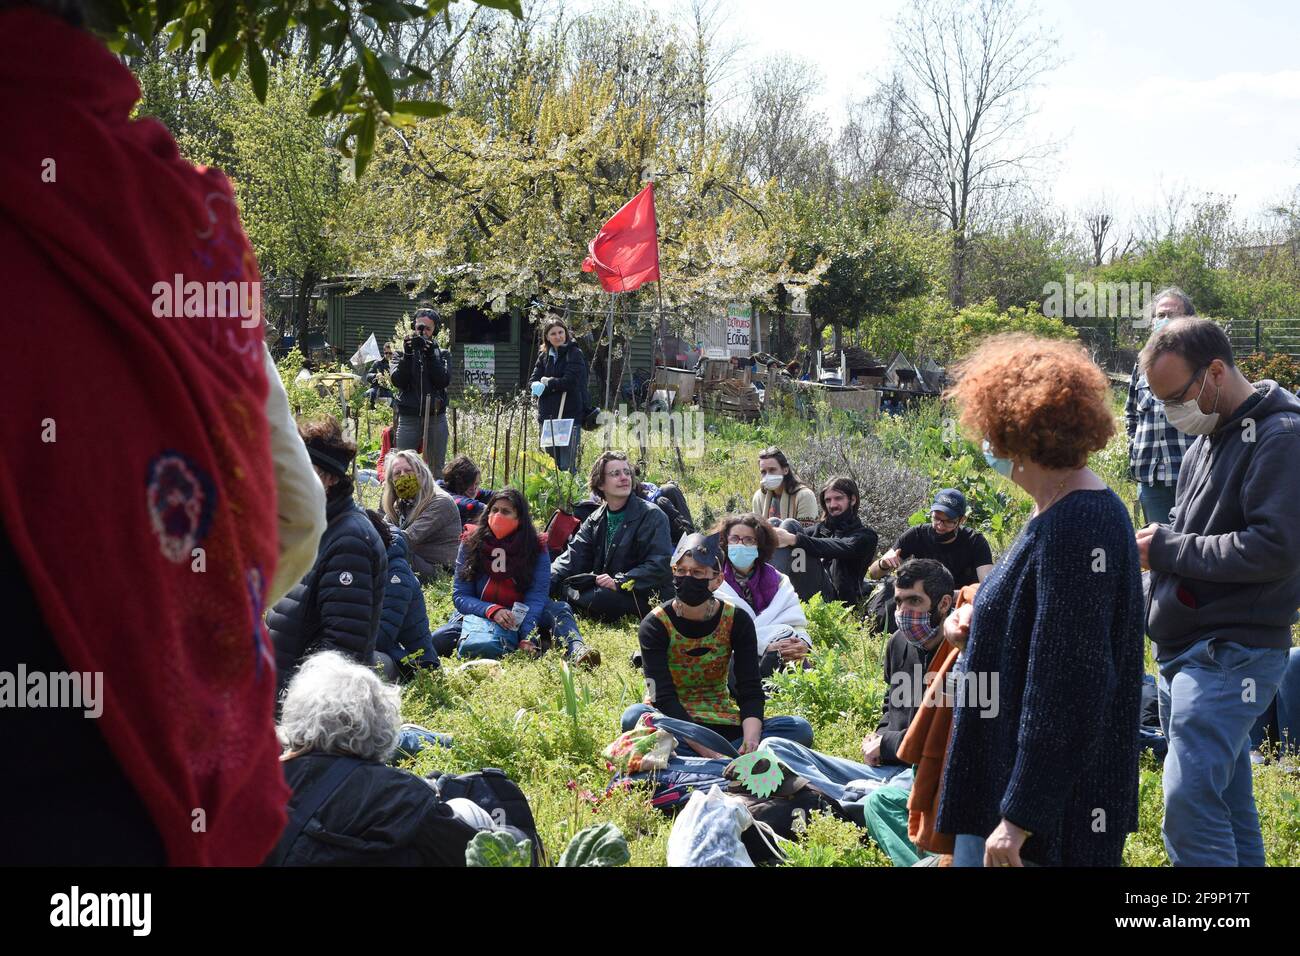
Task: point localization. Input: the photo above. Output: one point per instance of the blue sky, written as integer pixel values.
(1150, 96)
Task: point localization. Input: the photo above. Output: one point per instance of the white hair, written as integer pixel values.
(335, 705)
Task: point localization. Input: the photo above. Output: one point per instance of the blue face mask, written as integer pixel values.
(1001, 465)
(742, 556)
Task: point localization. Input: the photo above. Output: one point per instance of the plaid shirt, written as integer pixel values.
(1155, 448)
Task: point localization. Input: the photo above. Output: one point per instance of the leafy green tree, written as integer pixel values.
(342, 39)
(869, 260)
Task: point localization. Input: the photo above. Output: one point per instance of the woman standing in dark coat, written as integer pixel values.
(1043, 760)
(560, 377)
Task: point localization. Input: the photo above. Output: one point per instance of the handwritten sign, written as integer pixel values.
(739, 324)
(481, 366)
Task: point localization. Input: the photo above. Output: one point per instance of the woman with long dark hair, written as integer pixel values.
(560, 377)
(781, 495)
(503, 576)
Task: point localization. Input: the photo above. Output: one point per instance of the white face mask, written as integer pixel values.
(1187, 416)
(773, 482)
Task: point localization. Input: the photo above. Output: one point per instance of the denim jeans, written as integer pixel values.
(968, 850)
(1210, 816)
(556, 619)
(847, 781)
(1156, 500)
(1281, 719)
(411, 740)
(790, 728)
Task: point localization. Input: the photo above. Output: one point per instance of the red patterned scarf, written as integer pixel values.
(136, 484)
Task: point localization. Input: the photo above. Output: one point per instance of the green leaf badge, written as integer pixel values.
(601, 845)
(495, 848)
(758, 772)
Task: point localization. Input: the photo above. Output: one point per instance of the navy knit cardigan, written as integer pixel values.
(1059, 622)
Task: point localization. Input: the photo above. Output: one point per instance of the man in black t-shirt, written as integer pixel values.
(965, 553)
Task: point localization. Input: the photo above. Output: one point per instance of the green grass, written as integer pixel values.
(519, 718)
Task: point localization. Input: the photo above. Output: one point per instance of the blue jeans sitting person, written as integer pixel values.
(556, 620)
(789, 728)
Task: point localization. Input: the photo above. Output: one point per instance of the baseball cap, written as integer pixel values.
(951, 502)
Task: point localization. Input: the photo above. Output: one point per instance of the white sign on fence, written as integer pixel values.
(739, 323)
(481, 366)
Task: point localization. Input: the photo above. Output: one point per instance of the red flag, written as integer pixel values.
(625, 253)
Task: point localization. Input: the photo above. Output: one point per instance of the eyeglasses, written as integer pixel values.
(423, 328)
(944, 521)
(620, 473)
(734, 540)
(1183, 392)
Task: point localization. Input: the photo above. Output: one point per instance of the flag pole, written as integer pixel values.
(663, 353)
(609, 352)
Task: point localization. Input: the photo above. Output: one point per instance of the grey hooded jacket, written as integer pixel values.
(1228, 564)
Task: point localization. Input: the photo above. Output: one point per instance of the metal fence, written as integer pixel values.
(1264, 335)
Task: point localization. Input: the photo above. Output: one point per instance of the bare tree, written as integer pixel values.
(873, 143)
(712, 61)
(1099, 224)
(1165, 217)
(968, 67)
(778, 134)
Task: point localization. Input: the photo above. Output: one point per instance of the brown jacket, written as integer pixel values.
(925, 745)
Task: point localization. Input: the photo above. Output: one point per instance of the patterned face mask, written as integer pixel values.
(406, 486)
(917, 626)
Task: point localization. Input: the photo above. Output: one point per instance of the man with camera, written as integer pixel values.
(421, 377)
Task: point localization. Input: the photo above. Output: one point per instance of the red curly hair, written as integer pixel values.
(1041, 399)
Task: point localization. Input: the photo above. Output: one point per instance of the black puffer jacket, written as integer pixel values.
(336, 606)
(845, 546)
(567, 372)
(379, 816)
(641, 549)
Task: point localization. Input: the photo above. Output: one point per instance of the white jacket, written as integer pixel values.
(782, 618)
(299, 495)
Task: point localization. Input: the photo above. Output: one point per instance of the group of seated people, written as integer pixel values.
(517, 590)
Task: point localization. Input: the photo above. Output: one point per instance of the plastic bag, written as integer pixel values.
(707, 832)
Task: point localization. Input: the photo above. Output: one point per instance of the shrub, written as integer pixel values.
(1280, 367)
(891, 489)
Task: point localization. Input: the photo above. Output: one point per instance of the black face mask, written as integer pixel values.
(945, 538)
(691, 591)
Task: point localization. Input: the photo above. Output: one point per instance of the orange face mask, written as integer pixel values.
(502, 525)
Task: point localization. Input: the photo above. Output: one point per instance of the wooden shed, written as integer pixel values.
(353, 315)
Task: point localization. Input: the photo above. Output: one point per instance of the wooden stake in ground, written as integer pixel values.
(523, 451)
(505, 471)
(496, 435)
